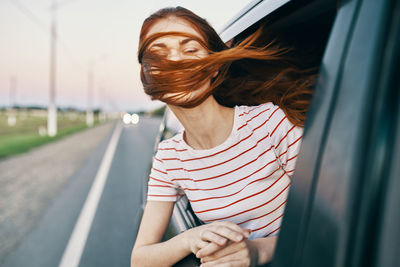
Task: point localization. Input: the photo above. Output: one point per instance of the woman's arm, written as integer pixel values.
(148, 251)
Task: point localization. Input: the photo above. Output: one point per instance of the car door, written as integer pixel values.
(344, 189)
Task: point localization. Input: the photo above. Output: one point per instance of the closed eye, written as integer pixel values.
(190, 50)
(160, 52)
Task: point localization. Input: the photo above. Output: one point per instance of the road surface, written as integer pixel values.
(66, 236)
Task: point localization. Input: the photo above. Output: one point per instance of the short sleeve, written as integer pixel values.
(285, 138)
(160, 187)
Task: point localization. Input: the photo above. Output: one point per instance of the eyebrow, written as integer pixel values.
(182, 42)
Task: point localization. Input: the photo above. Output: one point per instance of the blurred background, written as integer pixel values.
(70, 93)
(88, 66)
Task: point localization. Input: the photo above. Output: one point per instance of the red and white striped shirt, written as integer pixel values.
(244, 180)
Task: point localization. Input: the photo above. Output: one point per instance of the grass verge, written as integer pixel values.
(19, 143)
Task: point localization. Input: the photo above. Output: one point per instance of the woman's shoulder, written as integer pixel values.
(254, 115)
(170, 145)
(264, 117)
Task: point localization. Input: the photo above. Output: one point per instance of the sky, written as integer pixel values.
(104, 32)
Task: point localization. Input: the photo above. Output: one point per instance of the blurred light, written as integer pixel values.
(127, 118)
(135, 118)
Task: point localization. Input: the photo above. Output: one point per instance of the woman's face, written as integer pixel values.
(175, 47)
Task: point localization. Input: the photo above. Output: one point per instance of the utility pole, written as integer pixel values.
(13, 86)
(89, 111)
(12, 118)
(52, 109)
(91, 82)
(102, 114)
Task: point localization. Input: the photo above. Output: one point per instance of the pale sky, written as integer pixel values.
(105, 31)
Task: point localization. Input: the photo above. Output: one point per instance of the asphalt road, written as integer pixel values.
(112, 231)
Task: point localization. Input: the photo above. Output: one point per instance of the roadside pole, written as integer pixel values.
(89, 111)
(52, 109)
(11, 114)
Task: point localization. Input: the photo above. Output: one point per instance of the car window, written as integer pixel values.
(338, 190)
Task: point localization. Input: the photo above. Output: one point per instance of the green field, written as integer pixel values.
(24, 135)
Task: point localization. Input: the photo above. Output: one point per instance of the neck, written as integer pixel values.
(206, 125)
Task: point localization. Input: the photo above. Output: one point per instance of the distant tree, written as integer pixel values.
(159, 112)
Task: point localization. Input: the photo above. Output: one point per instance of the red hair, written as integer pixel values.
(247, 75)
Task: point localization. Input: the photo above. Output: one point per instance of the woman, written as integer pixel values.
(242, 109)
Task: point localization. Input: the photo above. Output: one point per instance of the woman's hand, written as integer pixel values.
(243, 253)
(213, 237)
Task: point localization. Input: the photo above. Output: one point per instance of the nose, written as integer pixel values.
(174, 55)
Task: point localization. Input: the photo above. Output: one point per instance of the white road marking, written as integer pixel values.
(76, 244)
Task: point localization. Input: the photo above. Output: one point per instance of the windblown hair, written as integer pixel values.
(246, 74)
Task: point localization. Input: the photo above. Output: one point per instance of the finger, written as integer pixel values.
(235, 227)
(208, 250)
(202, 244)
(233, 263)
(228, 250)
(236, 263)
(227, 232)
(211, 236)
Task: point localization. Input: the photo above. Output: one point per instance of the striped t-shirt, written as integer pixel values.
(244, 180)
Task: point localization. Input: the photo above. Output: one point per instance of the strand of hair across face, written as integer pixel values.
(174, 81)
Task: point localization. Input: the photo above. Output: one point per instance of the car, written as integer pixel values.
(342, 208)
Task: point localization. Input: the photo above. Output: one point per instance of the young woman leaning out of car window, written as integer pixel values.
(242, 109)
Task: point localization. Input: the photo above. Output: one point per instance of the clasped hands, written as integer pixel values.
(222, 244)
